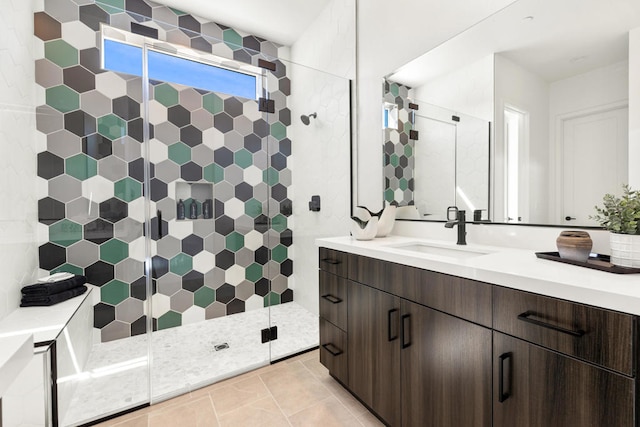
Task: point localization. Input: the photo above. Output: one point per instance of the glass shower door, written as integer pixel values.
(209, 225)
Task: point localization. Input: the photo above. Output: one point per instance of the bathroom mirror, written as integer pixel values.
(434, 158)
(551, 81)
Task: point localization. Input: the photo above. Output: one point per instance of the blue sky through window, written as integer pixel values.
(126, 58)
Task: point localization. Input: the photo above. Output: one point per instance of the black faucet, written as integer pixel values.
(460, 221)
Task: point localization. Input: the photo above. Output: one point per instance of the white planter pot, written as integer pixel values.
(625, 249)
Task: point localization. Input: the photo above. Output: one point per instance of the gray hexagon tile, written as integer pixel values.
(169, 284)
(127, 230)
(95, 103)
(64, 144)
(65, 188)
(129, 270)
(130, 310)
(48, 74)
(181, 300)
(83, 253)
(112, 168)
(127, 148)
(168, 247)
(49, 120)
(167, 133)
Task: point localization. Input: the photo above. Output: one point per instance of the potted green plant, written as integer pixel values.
(621, 216)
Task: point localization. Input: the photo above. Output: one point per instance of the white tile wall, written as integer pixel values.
(320, 151)
(18, 211)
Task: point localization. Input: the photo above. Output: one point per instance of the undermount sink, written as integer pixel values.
(461, 252)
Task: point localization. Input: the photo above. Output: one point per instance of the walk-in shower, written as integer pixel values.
(170, 186)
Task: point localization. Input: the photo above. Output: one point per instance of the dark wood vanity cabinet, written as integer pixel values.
(559, 363)
(445, 369)
(333, 313)
(535, 387)
(374, 350)
(411, 364)
(422, 348)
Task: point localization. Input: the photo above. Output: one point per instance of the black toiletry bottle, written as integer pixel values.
(206, 208)
(180, 209)
(193, 210)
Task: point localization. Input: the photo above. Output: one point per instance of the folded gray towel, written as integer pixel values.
(50, 288)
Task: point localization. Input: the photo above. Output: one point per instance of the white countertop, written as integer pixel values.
(45, 323)
(513, 268)
(15, 354)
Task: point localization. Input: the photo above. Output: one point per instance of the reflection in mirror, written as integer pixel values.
(555, 85)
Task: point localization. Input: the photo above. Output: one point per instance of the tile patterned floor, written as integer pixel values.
(294, 392)
(184, 359)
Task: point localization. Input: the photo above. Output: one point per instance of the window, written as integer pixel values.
(174, 68)
(389, 116)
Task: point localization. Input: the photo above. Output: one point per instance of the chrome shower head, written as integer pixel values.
(307, 119)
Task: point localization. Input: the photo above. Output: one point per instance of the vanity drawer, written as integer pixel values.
(592, 334)
(333, 350)
(333, 261)
(333, 299)
(464, 298)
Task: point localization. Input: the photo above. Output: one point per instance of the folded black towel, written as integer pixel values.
(50, 288)
(47, 300)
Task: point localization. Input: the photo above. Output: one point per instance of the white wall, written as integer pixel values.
(385, 42)
(526, 92)
(18, 215)
(634, 108)
(320, 151)
(467, 90)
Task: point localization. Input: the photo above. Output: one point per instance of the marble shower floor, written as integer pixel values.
(184, 359)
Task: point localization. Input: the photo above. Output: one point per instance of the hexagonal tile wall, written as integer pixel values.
(398, 149)
(94, 167)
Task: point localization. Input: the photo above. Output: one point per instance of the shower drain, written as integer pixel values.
(221, 346)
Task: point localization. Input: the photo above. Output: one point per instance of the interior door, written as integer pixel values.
(594, 156)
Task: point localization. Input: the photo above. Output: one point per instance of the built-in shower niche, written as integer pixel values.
(199, 193)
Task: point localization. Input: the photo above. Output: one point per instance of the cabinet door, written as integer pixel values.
(374, 350)
(537, 387)
(446, 369)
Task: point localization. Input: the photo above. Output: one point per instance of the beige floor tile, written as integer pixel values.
(351, 403)
(313, 354)
(370, 420)
(237, 394)
(295, 389)
(127, 421)
(316, 368)
(326, 413)
(194, 413)
(264, 413)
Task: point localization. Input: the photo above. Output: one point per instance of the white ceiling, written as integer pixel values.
(548, 45)
(281, 21)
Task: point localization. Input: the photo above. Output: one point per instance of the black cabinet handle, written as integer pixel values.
(335, 351)
(331, 261)
(159, 215)
(389, 328)
(502, 395)
(568, 218)
(406, 320)
(332, 298)
(525, 317)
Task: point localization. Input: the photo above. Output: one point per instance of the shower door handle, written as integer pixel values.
(159, 215)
